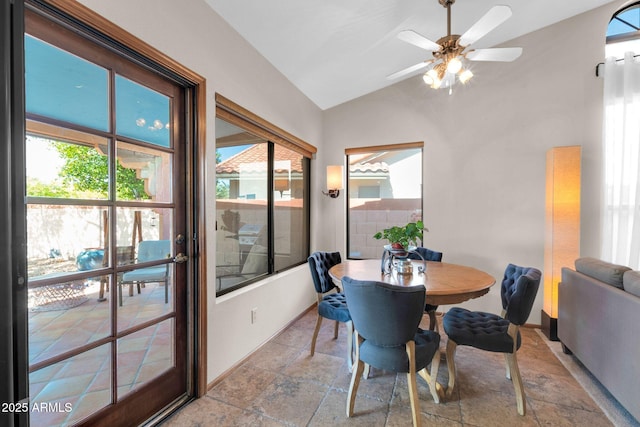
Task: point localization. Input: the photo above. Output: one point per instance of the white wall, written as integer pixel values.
(485, 147)
(191, 33)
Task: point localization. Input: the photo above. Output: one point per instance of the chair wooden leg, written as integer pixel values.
(335, 330)
(315, 334)
(506, 363)
(517, 382)
(451, 365)
(355, 377)
(432, 378)
(413, 386)
(433, 322)
(353, 387)
(350, 357)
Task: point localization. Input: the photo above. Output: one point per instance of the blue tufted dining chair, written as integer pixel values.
(385, 320)
(490, 332)
(331, 301)
(428, 255)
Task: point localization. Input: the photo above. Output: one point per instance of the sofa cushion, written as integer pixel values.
(602, 270)
(631, 282)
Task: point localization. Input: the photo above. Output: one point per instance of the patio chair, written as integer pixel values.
(255, 264)
(148, 250)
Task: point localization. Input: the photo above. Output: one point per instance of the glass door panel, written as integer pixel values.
(74, 165)
(145, 300)
(143, 174)
(68, 391)
(75, 244)
(65, 316)
(145, 354)
(147, 292)
(74, 90)
(142, 113)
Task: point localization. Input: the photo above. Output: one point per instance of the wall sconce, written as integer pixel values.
(562, 227)
(335, 182)
(281, 185)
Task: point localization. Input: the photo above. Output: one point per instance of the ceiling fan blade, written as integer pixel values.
(494, 17)
(408, 70)
(502, 54)
(419, 40)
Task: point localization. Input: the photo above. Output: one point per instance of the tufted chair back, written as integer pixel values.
(518, 292)
(427, 254)
(319, 264)
(385, 315)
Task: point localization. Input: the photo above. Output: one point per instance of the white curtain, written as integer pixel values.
(621, 216)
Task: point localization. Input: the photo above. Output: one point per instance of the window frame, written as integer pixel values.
(615, 216)
(629, 35)
(236, 115)
(372, 149)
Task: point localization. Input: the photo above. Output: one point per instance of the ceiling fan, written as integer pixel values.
(450, 52)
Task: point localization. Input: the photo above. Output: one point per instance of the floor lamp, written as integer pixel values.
(562, 227)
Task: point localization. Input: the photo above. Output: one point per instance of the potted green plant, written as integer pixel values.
(402, 238)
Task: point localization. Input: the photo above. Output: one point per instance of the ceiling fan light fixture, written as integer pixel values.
(449, 80)
(451, 52)
(432, 78)
(465, 76)
(454, 65)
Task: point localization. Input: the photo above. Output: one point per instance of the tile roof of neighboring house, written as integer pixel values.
(254, 159)
(369, 167)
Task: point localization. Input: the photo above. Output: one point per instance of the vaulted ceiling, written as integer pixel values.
(338, 50)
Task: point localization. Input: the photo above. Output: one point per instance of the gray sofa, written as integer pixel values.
(598, 320)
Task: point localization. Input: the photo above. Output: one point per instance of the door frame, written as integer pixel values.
(13, 335)
(13, 357)
(196, 132)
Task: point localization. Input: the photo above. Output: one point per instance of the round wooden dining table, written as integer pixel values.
(445, 283)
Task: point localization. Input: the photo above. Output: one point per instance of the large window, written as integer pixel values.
(262, 199)
(621, 147)
(623, 31)
(384, 189)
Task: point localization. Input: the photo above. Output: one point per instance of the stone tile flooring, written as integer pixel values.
(281, 385)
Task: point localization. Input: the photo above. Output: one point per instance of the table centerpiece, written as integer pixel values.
(402, 241)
